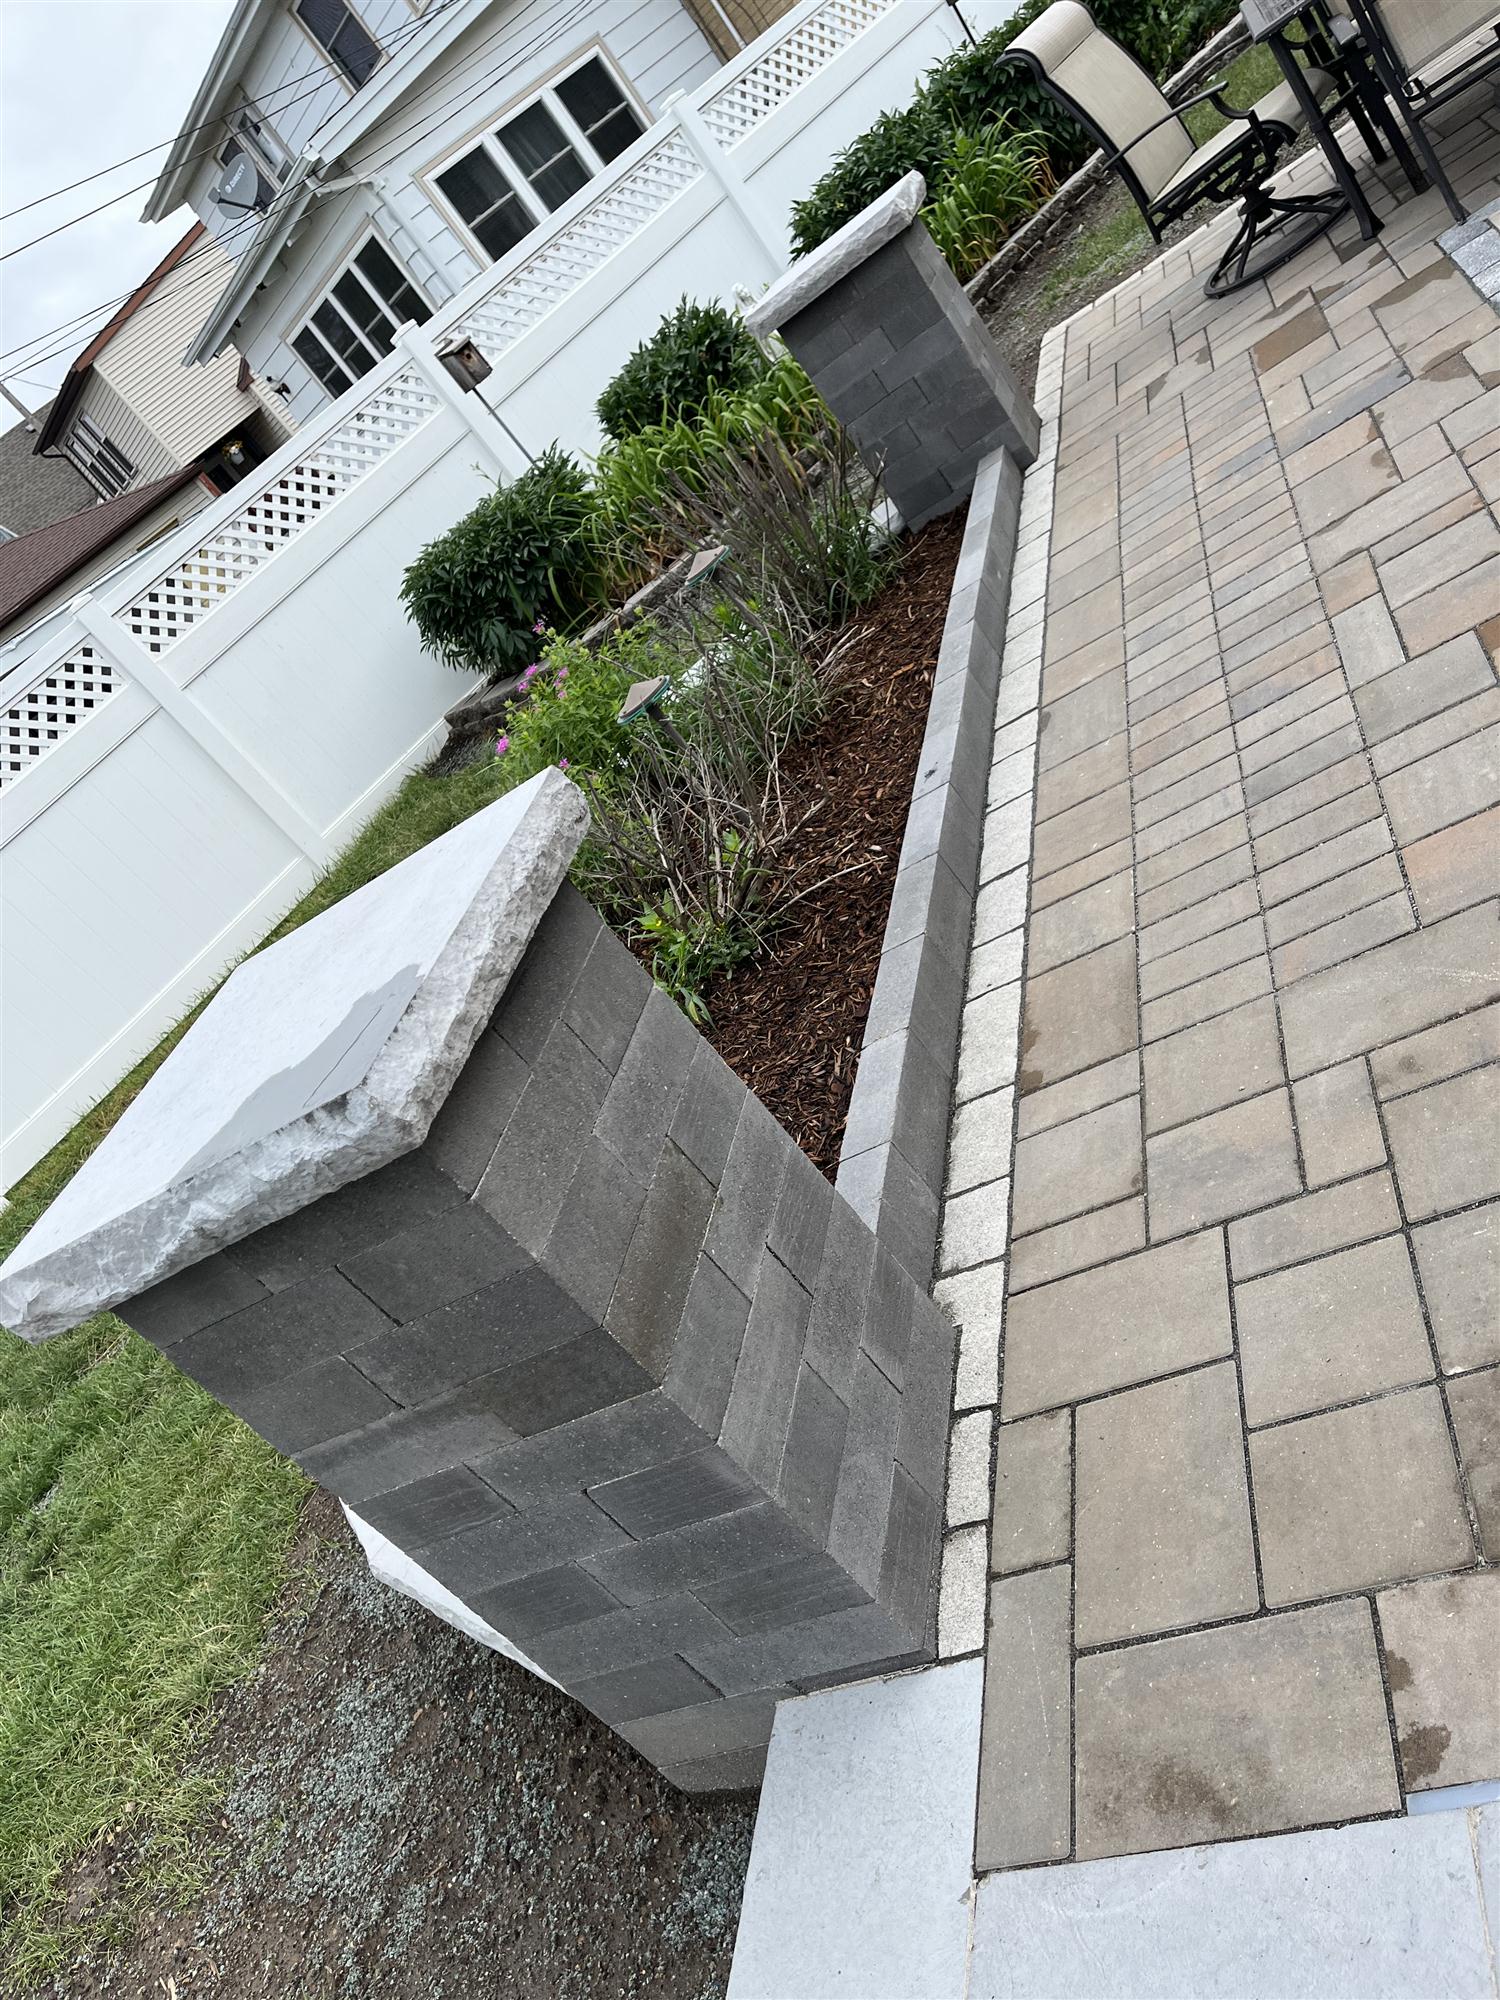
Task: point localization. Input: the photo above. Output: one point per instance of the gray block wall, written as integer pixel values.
(608, 1357)
(901, 357)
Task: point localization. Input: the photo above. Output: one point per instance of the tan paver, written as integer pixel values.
(1025, 1745)
(1162, 1528)
(1263, 949)
(1358, 1496)
(1442, 1642)
(1245, 1728)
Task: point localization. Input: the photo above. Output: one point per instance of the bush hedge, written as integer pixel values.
(971, 88)
(697, 350)
(527, 556)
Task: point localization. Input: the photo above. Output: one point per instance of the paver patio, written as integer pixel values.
(1242, 1428)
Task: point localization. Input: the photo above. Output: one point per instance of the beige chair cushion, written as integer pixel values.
(1277, 107)
(1418, 30)
(1111, 87)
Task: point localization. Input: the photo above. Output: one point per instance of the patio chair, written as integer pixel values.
(1148, 145)
(1419, 53)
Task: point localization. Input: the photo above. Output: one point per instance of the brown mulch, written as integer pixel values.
(790, 1022)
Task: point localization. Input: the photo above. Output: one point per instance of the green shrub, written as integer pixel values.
(634, 478)
(569, 702)
(696, 350)
(992, 181)
(528, 553)
(972, 88)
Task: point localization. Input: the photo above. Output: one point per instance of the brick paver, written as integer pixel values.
(1231, 1364)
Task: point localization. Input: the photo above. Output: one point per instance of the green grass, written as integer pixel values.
(143, 1533)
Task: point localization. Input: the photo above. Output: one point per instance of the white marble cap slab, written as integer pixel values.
(861, 236)
(320, 1059)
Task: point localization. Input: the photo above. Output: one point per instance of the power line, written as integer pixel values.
(414, 130)
(320, 75)
(125, 193)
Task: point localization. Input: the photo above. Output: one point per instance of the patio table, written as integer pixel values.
(1268, 22)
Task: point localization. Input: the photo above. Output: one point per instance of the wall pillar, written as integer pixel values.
(897, 351)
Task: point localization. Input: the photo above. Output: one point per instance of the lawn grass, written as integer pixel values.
(143, 1531)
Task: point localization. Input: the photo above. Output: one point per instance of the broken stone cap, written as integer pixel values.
(811, 276)
(320, 1059)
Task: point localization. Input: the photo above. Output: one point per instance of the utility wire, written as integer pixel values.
(213, 279)
(319, 76)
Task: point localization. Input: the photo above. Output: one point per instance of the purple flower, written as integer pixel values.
(562, 763)
(562, 675)
(540, 625)
(502, 744)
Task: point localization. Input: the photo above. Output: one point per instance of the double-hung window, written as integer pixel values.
(342, 35)
(102, 464)
(540, 155)
(354, 324)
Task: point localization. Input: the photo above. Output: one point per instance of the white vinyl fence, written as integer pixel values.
(180, 760)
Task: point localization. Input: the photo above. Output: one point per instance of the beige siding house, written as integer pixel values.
(130, 411)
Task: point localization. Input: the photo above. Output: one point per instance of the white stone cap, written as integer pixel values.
(320, 1059)
(861, 236)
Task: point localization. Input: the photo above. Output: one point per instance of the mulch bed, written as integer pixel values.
(790, 1022)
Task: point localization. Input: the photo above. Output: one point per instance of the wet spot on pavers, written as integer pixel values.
(1183, 1791)
(1422, 1751)
(1398, 1672)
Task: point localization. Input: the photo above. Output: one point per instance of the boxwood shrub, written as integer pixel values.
(697, 350)
(527, 556)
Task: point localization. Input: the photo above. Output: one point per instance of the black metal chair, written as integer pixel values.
(1425, 53)
(1149, 146)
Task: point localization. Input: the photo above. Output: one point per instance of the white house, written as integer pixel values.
(129, 413)
(362, 162)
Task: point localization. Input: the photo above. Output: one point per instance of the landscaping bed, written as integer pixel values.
(789, 1022)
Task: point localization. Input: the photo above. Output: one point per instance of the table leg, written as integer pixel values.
(1369, 222)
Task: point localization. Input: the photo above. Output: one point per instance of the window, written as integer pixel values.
(103, 464)
(354, 325)
(540, 156)
(251, 138)
(339, 30)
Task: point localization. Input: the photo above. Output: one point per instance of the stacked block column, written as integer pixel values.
(611, 1360)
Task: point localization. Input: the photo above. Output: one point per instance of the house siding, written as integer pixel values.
(109, 412)
(187, 409)
(655, 45)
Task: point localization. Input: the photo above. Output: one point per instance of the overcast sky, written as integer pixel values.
(83, 83)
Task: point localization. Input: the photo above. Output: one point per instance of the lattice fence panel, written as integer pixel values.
(68, 693)
(572, 256)
(278, 513)
(800, 54)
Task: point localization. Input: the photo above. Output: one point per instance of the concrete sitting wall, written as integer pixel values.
(609, 1359)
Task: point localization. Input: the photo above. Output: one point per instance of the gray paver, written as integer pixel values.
(1220, 1062)
(1162, 1530)
(1096, 1238)
(1442, 1639)
(1221, 1165)
(1459, 1259)
(1358, 1496)
(1084, 1164)
(1078, 1015)
(1245, 1728)
(1126, 1322)
(1474, 1401)
(1032, 1519)
(1437, 1053)
(1326, 1332)
(1025, 1746)
(1443, 1141)
(1337, 1123)
(1329, 1220)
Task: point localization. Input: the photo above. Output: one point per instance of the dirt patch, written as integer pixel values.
(790, 1022)
(407, 1814)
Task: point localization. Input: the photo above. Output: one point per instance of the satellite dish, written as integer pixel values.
(240, 186)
